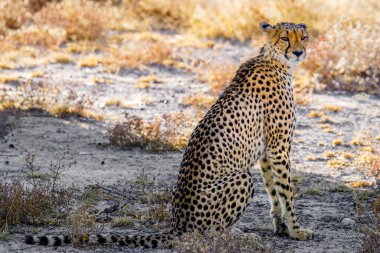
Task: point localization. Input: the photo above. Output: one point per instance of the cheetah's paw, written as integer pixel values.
(302, 234)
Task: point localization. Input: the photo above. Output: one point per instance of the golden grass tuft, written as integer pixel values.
(90, 61)
(37, 74)
(62, 58)
(333, 108)
(217, 76)
(315, 114)
(330, 154)
(147, 81)
(337, 164)
(360, 184)
(357, 142)
(370, 162)
(8, 79)
(329, 130)
(348, 156)
(137, 55)
(337, 142)
(199, 101)
(102, 80)
(114, 102)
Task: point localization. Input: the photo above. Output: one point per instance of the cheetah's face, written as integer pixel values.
(287, 40)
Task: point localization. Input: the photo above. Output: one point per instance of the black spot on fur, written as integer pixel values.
(101, 239)
(29, 239)
(113, 238)
(44, 240)
(57, 241)
(66, 239)
(154, 244)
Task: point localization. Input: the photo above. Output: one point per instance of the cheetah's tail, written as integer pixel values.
(162, 240)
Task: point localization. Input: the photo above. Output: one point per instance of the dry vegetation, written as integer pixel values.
(40, 200)
(219, 241)
(342, 54)
(167, 132)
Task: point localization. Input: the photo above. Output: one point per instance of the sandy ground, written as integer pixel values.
(95, 161)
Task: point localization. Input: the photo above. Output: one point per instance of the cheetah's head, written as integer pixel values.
(287, 41)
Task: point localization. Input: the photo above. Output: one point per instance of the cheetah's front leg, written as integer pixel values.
(280, 163)
(275, 211)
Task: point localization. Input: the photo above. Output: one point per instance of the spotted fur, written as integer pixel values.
(251, 122)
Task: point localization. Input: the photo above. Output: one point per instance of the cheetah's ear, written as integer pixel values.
(265, 27)
(302, 25)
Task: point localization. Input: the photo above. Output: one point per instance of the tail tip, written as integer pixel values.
(29, 239)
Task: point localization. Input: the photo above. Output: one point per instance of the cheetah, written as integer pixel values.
(251, 122)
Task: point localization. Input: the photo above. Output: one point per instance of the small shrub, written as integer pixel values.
(137, 55)
(217, 76)
(345, 58)
(81, 224)
(38, 201)
(158, 214)
(122, 222)
(81, 20)
(333, 108)
(337, 142)
(37, 205)
(313, 191)
(163, 134)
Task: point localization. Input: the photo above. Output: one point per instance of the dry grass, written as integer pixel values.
(8, 79)
(114, 102)
(370, 162)
(122, 222)
(39, 200)
(337, 163)
(360, 184)
(337, 142)
(315, 114)
(62, 58)
(137, 55)
(81, 224)
(165, 133)
(147, 81)
(217, 76)
(219, 242)
(342, 57)
(21, 204)
(90, 61)
(80, 20)
(199, 101)
(333, 108)
(345, 58)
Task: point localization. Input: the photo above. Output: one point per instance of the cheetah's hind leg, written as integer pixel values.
(231, 196)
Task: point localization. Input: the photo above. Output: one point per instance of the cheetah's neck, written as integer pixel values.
(271, 55)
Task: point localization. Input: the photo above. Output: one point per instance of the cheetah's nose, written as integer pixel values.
(297, 53)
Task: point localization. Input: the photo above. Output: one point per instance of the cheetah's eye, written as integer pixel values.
(285, 38)
(304, 38)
